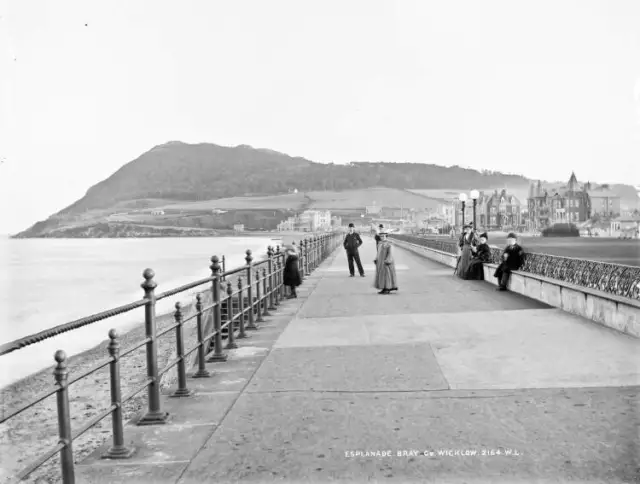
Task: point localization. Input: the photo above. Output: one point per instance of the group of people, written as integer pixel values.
(385, 277)
(475, 251)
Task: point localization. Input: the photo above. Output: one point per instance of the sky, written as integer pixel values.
(536, 88)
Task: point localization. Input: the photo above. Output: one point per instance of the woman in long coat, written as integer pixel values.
(385, 278)
(465, 243)
(291, 273)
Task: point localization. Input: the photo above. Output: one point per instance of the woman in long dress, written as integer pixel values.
(385, 278)
(465, 243)
(291, 273)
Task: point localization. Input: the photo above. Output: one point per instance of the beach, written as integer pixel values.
(27, 436)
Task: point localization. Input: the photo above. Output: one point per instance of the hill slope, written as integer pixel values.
(179, 171)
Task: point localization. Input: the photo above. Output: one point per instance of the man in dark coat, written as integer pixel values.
(512, 260)
(352, 242)
(481, 254)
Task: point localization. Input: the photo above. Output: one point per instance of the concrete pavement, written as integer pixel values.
(441, 370)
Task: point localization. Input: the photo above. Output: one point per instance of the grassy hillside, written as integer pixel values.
(358, 199)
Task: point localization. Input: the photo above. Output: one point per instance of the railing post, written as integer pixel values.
(224, 267)
(182, 390)
(202, 367)
(265, 311)
(154, 415)
(218, 355)
(241, 308)
(276, 289)
(249, 260)
(301, 261)
(306, 256)
(272, 302)
(280, 290)
(314, 252)
(61, 374)
(231, 337)
(118, 449)
(259, 301)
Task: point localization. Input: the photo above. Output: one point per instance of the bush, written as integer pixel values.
(561, 230)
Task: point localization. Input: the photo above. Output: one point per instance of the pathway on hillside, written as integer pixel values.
(443, 365)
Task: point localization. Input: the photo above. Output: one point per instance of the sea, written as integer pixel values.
(48, 282)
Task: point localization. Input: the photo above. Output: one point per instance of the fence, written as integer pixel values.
(235, 307)
(620, 280)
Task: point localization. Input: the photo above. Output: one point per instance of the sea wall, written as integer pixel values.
(619, 313)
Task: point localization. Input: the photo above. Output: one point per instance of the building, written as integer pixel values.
(497, 210)
(625, 227)
(238, 228)
(372, 209)
(308, 221)
(157, 212)
(569, 204)
(603, 201)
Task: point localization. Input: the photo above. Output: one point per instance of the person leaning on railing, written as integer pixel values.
(512, 260)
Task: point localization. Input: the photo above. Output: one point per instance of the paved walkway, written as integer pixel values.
(438, 371)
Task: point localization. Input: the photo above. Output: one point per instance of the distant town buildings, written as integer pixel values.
(157, 212)
(494, 211)
(569, 204)
(238, 228)
(308, 221)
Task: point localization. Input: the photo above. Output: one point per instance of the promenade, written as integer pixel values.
(432, 374)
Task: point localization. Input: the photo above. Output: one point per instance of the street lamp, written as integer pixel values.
(475, 194)
(463, 200)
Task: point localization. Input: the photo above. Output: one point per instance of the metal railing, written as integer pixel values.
(258, 293)
(617, 279)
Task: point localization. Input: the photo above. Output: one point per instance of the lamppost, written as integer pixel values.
(475, 194)
(463, 200)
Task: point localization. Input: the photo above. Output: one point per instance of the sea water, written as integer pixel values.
(48, 282)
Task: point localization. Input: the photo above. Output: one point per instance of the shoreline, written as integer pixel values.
(27, 436)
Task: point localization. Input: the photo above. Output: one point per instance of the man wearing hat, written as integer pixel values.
(511, 260)
(352, 242)
(481, 253)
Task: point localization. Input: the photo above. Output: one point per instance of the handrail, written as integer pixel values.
(256, 295)
(617, 279)
(63, 328)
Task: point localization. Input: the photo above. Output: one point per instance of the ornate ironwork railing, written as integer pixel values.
(220, 309)
(617, 279)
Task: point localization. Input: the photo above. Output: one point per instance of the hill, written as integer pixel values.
(191, 179)
(180, 171)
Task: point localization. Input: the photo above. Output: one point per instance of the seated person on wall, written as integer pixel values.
(481, 254)
(512, 260)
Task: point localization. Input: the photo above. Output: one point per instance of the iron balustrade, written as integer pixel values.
(616, 279)
(261, 288)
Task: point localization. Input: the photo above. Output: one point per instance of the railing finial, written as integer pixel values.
(149, 284)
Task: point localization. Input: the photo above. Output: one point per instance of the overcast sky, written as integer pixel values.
(539, 88)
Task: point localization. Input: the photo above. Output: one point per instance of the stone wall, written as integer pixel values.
(621, 314)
